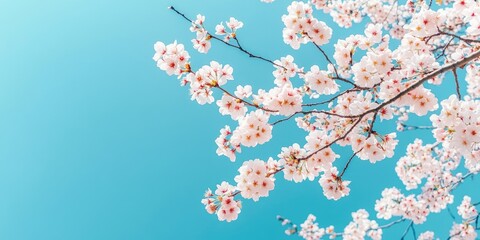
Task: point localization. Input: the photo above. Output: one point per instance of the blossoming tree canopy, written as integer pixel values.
(382, 75)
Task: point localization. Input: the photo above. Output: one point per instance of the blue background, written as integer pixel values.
(97, 143)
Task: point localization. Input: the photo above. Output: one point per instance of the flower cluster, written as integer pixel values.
(467, 229)
(225, 146)
(202, 40)
(394, 203)
(361, 226)
(255, 179)
(171, 58)
(457, 128)
(333, 186)
(253, 129)
(320, 81)
(222, 202)
(301, 27)
(466, 210)
(310, 230)
(285, 69)
(418, 164)
(428, 235)
(233, 25)
(208, 76)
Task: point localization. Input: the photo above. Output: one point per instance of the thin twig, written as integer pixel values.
(406, 230)
(348, 163)
(332, 99)
(457, 85)
(284, 119)
(370, 128)
(413, 231)
(450, 212)
(466, 40)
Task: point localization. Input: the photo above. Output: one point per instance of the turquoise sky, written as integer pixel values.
(97, 143)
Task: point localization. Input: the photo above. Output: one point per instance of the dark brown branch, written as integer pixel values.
(348, 163)
(324, 54)
(275, 172)
(370, 128)
(284, 119)
(457, 85)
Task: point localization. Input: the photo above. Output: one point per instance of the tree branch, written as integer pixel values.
(239, 47)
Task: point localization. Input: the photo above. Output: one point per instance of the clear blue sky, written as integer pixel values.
(97, 143)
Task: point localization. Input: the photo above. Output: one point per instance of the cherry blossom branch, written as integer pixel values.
(294, 229)
(467, 222)
(380, 106)
(466, 40)
(440, 33)
(451, 236)
(239, 47)
(244, 101)
(456, 183)
(360, 122)
(451, 187)
(412, 87)
(431, 75)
